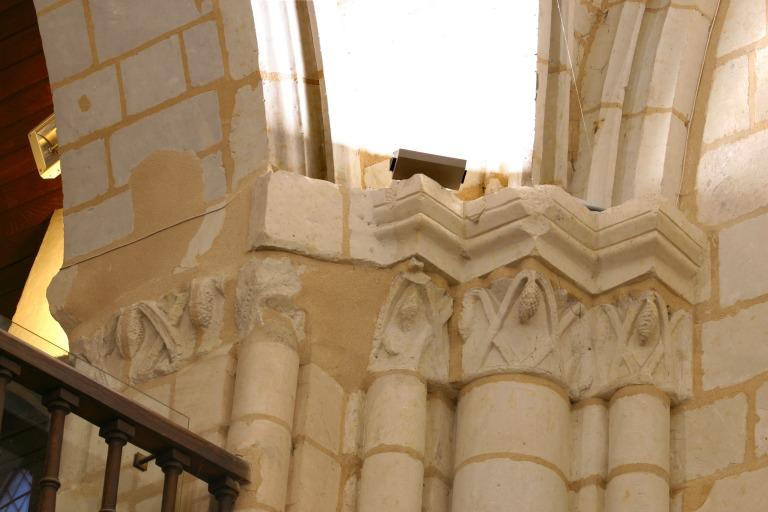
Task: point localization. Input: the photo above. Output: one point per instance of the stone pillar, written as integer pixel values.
(438, 459)
(638, 453)
(410, 347)
(589, 455)
(262, 415)
(511, 446)
(393, 445)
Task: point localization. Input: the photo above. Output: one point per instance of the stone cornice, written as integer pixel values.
(465, 240)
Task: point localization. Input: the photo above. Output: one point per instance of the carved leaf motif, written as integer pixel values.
(130, 331)
(202, 301)
(529, 302)
(647, 321)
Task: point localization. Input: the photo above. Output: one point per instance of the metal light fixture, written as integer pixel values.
(45, 148)
(449, 172)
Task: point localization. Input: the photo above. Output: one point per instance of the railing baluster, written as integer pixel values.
(172, 462)
(59, 403)
(8, 370)
(116, 433)
(225, 491)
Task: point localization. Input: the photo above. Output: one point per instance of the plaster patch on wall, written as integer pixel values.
(98, 226)
(203, 239)
(248, 138)
(214, 177)
(191, 125)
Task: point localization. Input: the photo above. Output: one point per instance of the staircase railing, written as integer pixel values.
(120, 420)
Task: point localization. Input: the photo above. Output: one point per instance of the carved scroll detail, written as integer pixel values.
(152, 338)
(411, 330)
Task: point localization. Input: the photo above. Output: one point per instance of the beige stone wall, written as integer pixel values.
(172, 100)
(719, 457)
(617, 83)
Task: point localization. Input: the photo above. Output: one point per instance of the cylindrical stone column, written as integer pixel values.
(393, 444)
(512, 435)
(438, 459)
(262, 417)
(638, 453)
(589, 455)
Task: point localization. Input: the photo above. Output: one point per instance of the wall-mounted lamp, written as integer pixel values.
(45, 148)
(449, 172)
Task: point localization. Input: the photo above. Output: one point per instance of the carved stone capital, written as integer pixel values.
(525, 325)
(411, 330)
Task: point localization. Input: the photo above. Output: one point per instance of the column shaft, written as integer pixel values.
(638, 456)
(393, 448)
(511, 446)
(262, 416)
(589, 455)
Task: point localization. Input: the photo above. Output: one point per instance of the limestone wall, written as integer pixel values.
(172, 100)
(719, 438)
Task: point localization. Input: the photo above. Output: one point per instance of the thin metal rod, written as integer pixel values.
(59, 403)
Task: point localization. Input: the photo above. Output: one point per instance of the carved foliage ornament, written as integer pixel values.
(411, 330)
(151, 338)
(522, 324)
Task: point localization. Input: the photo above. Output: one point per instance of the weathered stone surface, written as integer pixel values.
(121, 26)
(314, 481)
(86, 105)
(745, 492)
(728, 107)
(298, 214)
(248, 138)
(353, 423)
(214, 177)
(731, 179)
(204, 59)
(65, 41)
(153, 75)
(203, 392)
(761, 428)
(319, 408)
(744, 24)
(240, 32)
(743, 265)
(708, 439)
(84, 173)
(98, 225)
(761, 87)
(191, 125)
(734, 348)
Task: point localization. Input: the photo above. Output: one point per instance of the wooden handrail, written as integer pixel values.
(100, 405)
